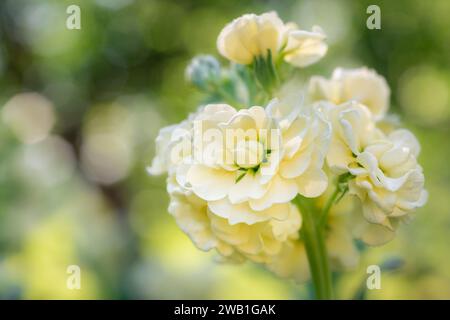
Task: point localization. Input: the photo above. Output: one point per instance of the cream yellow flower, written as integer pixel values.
(235, 196)
(362, 85)
(353, 129)
(386, 176)
(257, 242)
(191, 214)
(261, 241)
(388, 180)
(250, 36)
(304, 48)
(249, 164)
(164, 141)
(235, 230)
(370, 233)
(173, 144)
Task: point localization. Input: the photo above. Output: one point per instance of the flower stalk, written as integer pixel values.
(313, 237)
(338, 193)
(266, 73)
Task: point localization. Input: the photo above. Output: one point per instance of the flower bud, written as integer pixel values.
(203, 71)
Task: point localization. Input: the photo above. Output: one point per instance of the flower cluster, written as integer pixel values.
(237, 165)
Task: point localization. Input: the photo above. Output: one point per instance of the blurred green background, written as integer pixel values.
(80, 110)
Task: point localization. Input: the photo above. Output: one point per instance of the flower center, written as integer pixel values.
(249, 153)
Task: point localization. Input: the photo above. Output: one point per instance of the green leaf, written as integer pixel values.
(241, 176)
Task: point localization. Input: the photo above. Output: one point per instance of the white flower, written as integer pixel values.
(191, 215)
(164, 141)
(353, 129)
(362, 85)
(386, 176)
(250, 36)
(249, 164)
(173, 143)
(370, 233)
(261, 241)
(388, 180)
(304, 48)
(257, 242)
(235, 197)
(235, 230)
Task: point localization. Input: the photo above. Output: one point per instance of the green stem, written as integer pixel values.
(265, 73)
(339, 191)
(327, 207)
(316, 251)
(228, 97)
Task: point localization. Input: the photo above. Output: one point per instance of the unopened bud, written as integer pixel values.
(203, 71)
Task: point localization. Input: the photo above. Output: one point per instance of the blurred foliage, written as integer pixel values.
(73, 186)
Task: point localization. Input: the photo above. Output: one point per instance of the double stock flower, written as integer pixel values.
(236, 175)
